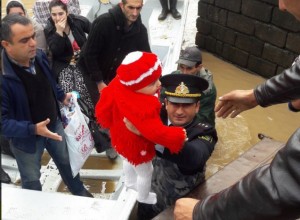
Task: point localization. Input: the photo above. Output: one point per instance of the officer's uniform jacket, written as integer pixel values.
(175, 175)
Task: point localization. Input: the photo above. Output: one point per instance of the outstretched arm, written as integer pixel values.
(172, 138)
(278, 89)
(235, 102)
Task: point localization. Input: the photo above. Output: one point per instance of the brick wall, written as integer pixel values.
(253, 34)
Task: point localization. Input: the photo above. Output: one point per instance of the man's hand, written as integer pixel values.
(235, 102)
(131, 127)
(184, 208)
(101, 85)
(42, 130)
(67, 99)
(295, 104)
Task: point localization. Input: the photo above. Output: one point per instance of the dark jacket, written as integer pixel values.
(109, 42)
(272, 191)
(61, 47)
(176, 175)
(16, 117)
(196, 151)
(281, 88)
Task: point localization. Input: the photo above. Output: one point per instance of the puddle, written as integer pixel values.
(102, 188)
(102, 163)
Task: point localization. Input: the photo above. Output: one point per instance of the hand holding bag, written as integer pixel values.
(78, 135)
(101, 136)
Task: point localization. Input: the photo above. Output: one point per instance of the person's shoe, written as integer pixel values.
(111, 153)
(5, 177)
(163, 15)
(175, 13)
(85, 193)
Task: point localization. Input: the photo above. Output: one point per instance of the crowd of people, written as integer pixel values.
(164, 139)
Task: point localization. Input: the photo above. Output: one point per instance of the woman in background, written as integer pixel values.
(66, 34)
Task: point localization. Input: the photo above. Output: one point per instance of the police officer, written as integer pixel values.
(175, 175)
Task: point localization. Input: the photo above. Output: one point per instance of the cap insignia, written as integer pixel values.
(182, 89)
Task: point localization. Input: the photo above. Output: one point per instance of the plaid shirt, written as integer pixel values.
(41, 10)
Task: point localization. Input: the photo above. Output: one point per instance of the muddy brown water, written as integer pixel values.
(99, 186)
(239, 134)
(235, 135)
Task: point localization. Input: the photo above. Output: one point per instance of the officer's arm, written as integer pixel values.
(192, 158)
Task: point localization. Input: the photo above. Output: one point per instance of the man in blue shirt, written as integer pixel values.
(31, 118)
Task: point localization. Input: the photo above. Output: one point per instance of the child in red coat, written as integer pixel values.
(132, 95)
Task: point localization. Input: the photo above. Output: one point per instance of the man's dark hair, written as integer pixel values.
(14, 4)
(10, 20)
(124, 2)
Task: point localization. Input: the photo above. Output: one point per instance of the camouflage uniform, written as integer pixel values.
(174, 176)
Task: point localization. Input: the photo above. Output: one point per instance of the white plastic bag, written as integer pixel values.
(78, 136)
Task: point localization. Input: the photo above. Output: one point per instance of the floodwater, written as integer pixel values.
(101, 188)
(239, 134)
